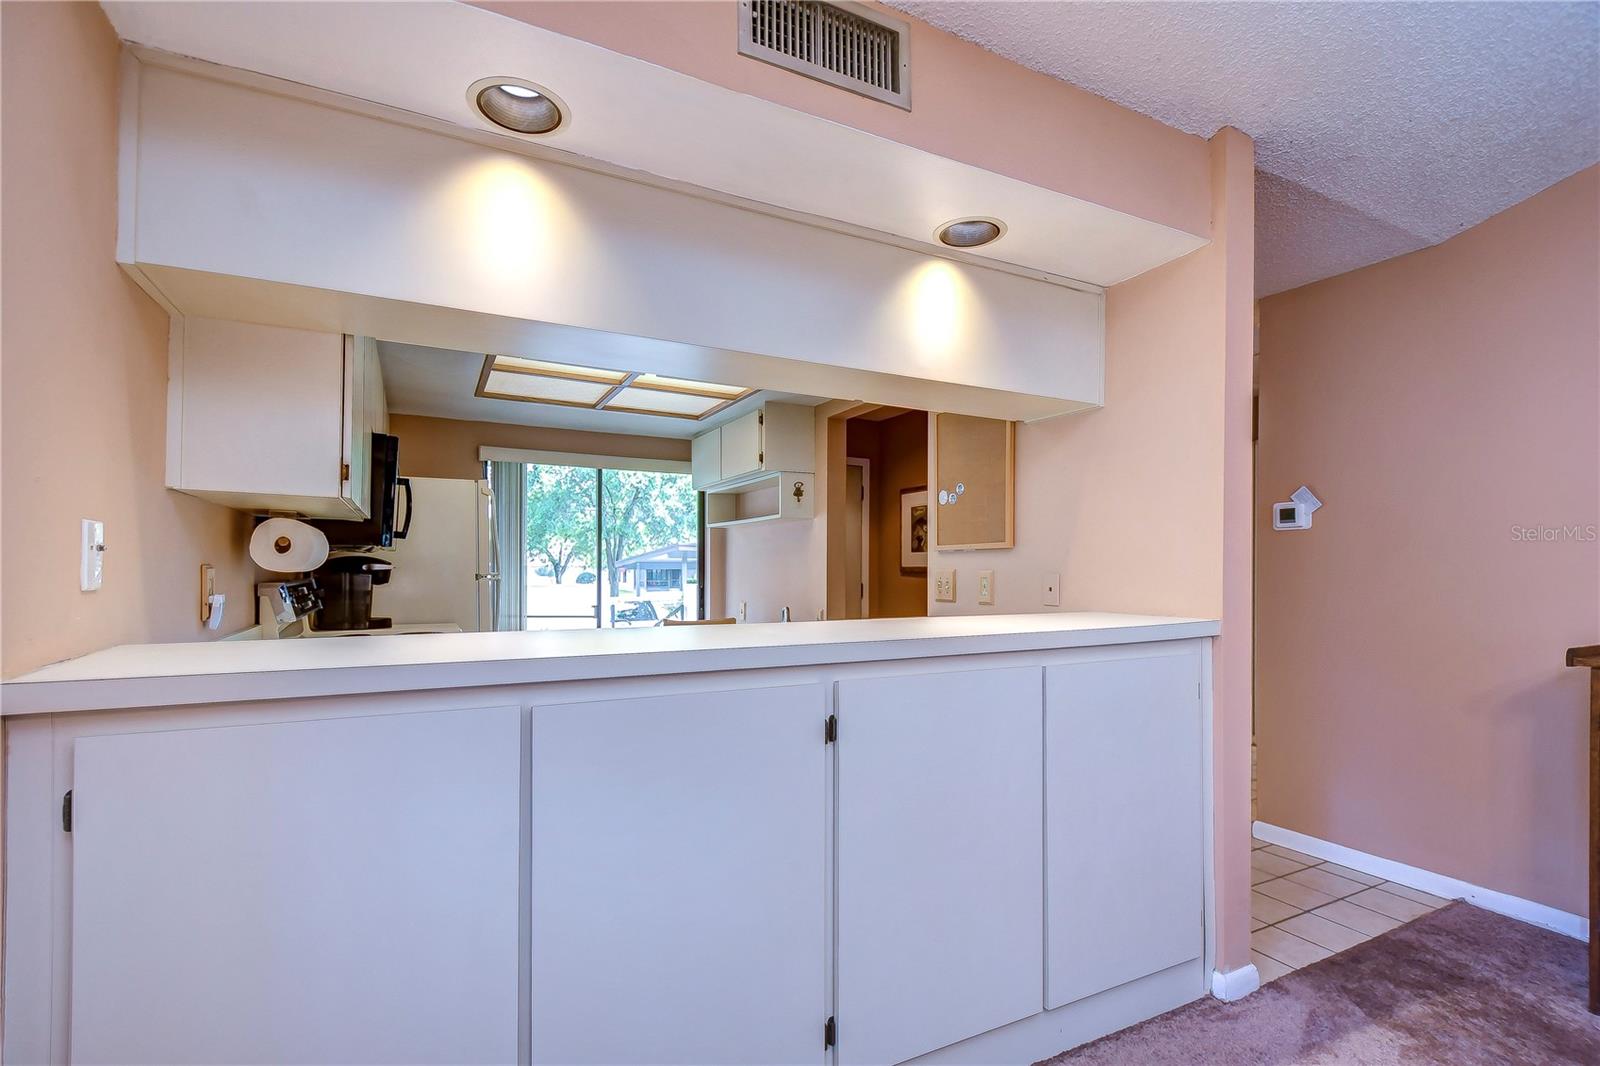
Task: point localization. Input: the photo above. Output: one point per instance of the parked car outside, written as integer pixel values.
(635, 613)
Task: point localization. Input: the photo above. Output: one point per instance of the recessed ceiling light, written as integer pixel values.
(970, 232)
(518, 106)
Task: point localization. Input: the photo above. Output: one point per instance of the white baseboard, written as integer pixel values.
(1235, 984)
(1526, 910)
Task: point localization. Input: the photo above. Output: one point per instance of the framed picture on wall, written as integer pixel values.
(914, 529)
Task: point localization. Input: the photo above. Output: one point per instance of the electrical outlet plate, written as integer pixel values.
(1052, 590)
(208, 588)
(944, 586)
(985, 588)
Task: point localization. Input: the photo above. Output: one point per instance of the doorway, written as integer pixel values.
(882, 464)
(858, 537)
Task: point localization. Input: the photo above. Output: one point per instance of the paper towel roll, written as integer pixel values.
(288, 546)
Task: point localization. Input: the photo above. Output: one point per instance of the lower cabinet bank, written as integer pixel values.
(984, 858)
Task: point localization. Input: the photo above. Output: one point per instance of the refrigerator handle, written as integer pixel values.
(487, 516)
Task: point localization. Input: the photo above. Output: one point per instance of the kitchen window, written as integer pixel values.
(603, 546)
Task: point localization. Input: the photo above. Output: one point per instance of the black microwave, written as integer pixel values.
(378, 531)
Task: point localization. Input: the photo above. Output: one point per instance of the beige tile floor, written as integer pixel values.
(1303, 910)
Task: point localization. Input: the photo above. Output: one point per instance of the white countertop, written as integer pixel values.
(165, 675)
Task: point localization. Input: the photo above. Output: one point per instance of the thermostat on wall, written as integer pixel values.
(1290, 515)
(1295, 512)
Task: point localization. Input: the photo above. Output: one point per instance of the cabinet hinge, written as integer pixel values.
(344, 471)
(761, 457)
(828, 1033)
(66, 811)
(761, 418)
(830, 729)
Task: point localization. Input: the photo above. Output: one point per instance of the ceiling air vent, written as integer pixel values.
(843, 44)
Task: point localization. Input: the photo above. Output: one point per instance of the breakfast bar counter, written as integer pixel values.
(965, 839)
(164, 675)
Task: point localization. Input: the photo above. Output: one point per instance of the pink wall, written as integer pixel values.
(1412, 700)
(84, 375)
(969, 104)
(448, 447)
(768, 567)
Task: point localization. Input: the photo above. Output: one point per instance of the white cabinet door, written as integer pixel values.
(705, 459)
(1124, 818)
(377, 398)
(679, 880)
(259, 410)
(357, 462)
(265, 418)
(940, 859)
(741, 446)
(341, 890)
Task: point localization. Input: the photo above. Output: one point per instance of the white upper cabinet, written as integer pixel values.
(264, 418)
(741, 445)
(705, 458)
(774, 438)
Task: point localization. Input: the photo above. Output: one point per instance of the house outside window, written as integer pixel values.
(660, 580)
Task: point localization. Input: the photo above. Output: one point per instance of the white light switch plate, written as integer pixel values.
(1052, 590)
(985, 588)
(91, 567)
(944, 586)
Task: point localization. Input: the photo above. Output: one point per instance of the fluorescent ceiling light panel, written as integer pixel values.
(560, 370)
(511, 377)
(547, 390)
(707, 388)
(650, 401)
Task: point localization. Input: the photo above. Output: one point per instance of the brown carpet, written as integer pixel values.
(1458, 986)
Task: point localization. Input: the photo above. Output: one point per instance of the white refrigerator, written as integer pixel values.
(444, 569)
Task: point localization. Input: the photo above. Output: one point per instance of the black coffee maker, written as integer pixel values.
(346, 583)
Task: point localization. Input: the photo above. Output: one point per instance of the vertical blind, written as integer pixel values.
(510, 484)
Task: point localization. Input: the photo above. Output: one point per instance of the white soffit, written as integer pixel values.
(421, 57)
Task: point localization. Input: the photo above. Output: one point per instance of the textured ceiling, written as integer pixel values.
(1380, 128)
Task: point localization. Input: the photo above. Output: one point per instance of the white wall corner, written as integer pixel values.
(1525, 910)
(1235, 984)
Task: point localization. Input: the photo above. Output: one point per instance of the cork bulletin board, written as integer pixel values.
(975, 463)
